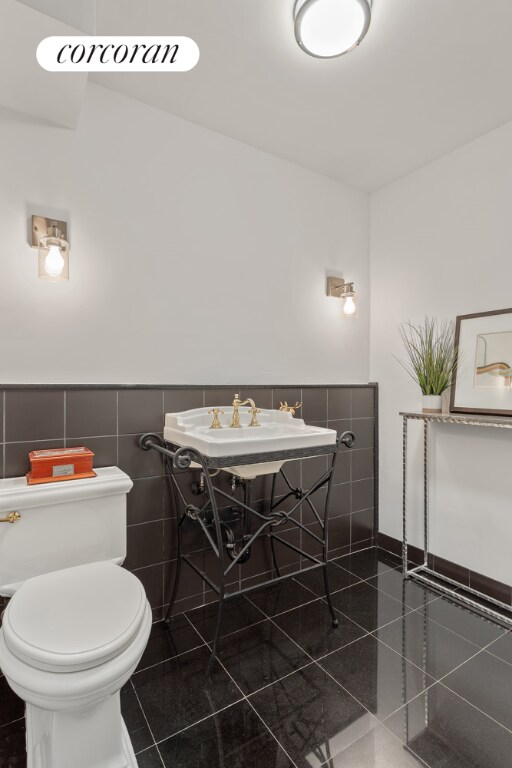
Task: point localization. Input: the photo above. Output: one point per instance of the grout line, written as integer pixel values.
(11, 722)
(271, 732)
(148, 725)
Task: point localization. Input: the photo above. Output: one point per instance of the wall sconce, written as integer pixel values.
(50, 237)
(337, 287)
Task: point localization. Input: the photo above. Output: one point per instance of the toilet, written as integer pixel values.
(77, 624)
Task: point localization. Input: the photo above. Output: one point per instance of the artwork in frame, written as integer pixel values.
(483, 382)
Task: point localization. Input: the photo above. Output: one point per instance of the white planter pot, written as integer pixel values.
(432, 403)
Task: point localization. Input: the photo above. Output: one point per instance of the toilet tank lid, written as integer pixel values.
(15, 494)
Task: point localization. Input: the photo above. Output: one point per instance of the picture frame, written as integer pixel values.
(483, 379)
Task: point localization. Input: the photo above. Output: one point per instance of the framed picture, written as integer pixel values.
(483, 383)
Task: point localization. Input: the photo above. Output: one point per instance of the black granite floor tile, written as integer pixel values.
(259, 655)
(369, 562)
(11, 706)
(12, 745)
(502, 648)
(486, 682)
(447, 732)
(338, 579)
(311, 627)
(135, 721)
(311, 716)
(237, 614)
(367, 606)
(427, 644)
(464, 622)
(376, 676)
(166, 642)
(149, 759)
(377, 749)
(233, 738)
(406, 591)
(177, 694)
(281, 597)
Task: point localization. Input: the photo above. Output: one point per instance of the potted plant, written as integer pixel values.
(431, 359)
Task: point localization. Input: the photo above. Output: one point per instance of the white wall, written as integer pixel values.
(194, 258)
(441, 245)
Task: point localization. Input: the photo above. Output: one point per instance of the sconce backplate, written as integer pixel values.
(40, 225)
(336, 286)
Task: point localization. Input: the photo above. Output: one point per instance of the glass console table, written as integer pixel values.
(423, 573)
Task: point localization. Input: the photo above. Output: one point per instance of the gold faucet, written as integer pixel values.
(235, 421)
(216, 423)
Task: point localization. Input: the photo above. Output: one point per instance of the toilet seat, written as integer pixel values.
(76, 618)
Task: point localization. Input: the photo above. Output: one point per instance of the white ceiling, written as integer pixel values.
(430, 76)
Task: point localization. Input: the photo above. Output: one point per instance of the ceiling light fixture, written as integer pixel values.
(330, 28)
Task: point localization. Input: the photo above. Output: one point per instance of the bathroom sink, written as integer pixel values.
(279, 432)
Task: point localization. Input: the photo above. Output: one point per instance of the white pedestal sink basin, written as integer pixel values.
(279, 432)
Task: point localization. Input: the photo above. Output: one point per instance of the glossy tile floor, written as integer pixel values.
(408, 679)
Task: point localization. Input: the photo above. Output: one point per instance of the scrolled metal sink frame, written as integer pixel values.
(207, 516)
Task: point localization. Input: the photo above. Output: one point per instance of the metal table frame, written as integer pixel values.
(208, 518)
(423, 573)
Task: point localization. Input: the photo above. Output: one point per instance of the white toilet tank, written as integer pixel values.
(61, 525)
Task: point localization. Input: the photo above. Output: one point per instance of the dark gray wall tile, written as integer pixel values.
(314, 404)
(190, 583)
(152, 579)
(362, 525)
(104, 449)
(34, 415)
(144, 545)
(339, 532)
(136, 462)
(140, 410)
(340, 500)
(177, 400)
(363, 402)
(362, 463)
(91, 412)
(146, 500)
(362, 494)
(312, 469)
(223, 396)
(342, 467)
(16, 456)
(339, 403)
(363, 430)
(262, 397)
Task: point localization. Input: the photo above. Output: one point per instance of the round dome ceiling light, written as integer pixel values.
(330, 28)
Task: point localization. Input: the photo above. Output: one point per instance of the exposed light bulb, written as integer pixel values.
(54, 263)
(349, 306)
(329, 28)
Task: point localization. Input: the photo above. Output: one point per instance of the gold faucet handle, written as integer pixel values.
(290, 408)
(216, 423)
(254, 417)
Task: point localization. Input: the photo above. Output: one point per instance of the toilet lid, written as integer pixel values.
(76, 618)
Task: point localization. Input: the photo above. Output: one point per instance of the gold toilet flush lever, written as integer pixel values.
(216, 423)
(290, 408)
(12, 517)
